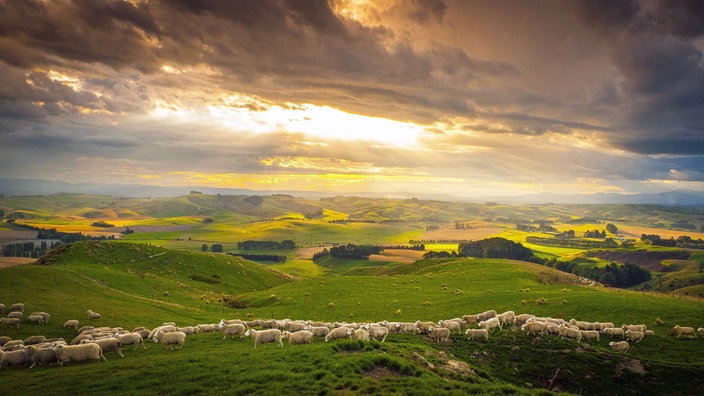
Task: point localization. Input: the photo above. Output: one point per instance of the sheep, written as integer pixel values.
(640, 327)
(450, 324)
(684, 331)
(573, 334)
(187, 329)
(78, 353)
(619, 346)
(31, 340)
(339, 332)
(71, 323)
(92, 315)
(650, 332)
(11, 322)
(44, 315)
(376, 332)
(615, 331)
(590, 335)
(80, 338)
(17, 307)
(469, 320)
(206, 328)
(407, 328)
(161, 329)
(13, 345)
(507, 317)
(15, 314)
(131, 339)
(534, 328)
(4, 339)
(36, 319)
(14, 358)
(169, 339)
(233, 330)
(439, 334)
(295, 326)
(522, 318)
(85, 328)
(579, 323)
(38, 356)
(701, 331)
(490, 324)
(109, 344)
(360, 334)
(318, 331)
(423, 327)
(264, 336)
(477, 334)
(486, 315)
(298, 337)
(634, 335)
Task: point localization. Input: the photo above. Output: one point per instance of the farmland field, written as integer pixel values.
(160, 273)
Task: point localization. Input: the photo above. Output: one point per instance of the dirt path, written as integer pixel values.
(15, 261)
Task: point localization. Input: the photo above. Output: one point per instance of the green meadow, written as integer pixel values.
(159, 274)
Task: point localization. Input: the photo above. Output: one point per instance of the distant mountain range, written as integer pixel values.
(19, 187)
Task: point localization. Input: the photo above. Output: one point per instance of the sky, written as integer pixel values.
(461, 97)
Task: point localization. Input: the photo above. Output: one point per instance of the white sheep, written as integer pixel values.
(15, 314)
(339, 332)
(522, 318)
(486, 315)
(439, 334)
(144, 332)
(206, 328)
(131, 339)
(407, 328)
(469, 320)
(684, 331)
(590, 335)
(319, 331)
(92, 315)
(170, 339)
(78, 353)
(450, 324)
(377, 332)
(534, 328)
(109, 344)
(701, 331)
(10, 322)
(634, 335)
(38, 356)
(235, 329)
(71, 323)
(640, 327)
(44, 315)
(36, 319)
(423, 327)
(615, 331)
(507, 317)
(169, 328)
(619, 346)
(13, 345)
(298, 337)
(264, 336)
(4, 339)
(188, 330)
(18, 357)
(17, 307)
(37, 339)
(85, 328)
(293, 327)
(573, 334)
(360, 334)
(490, 324)
(477, 334)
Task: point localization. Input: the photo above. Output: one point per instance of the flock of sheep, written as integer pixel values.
(92, 342)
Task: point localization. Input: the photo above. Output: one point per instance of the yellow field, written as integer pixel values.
(15, 261)
(636, 231)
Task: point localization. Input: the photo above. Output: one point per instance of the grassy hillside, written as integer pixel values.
(126, 283)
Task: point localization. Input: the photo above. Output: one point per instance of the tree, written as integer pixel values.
(216, 248)
(611, 228)
(204, 248)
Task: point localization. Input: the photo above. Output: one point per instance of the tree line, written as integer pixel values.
(266, 245)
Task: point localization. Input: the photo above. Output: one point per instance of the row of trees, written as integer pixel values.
(266, 245)
(496, 247)
(615, 275)
(359, 252)
(28, 249)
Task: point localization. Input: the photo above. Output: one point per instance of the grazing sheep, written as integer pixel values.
(36, 319)
(169, 339)
(573, 334)
(477, 334)
(14, 358)
(131, 339)
(233, 330)
(15, 314)
(44, 315)
(534, 328)
(590, 335)
(701, 331)
(423, 327)
(298, 337)
(206, 328)
(360, 334)
(188, 330)
(523, 318)
(450, 324)
(13, 345)
(78, 353)
(579, 323)
(469, 320)
(684, 331)
(71, 323)
(92, 315)
(640, 327)
(407, 328)
(439, 334)
(338, 332)
(38, 356)
(85, 328)
(109, 344)
(490, 324)
(650, 332)
(80, 338)
(507, 317)
(161, 329)
(11, 322)
(615, 331)
(295, 326)
(31, 340)
(619, 346)
(377, 332)
(17, 307)
(264, 336)
(486, 315)
(634, 335)
(318, 331)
